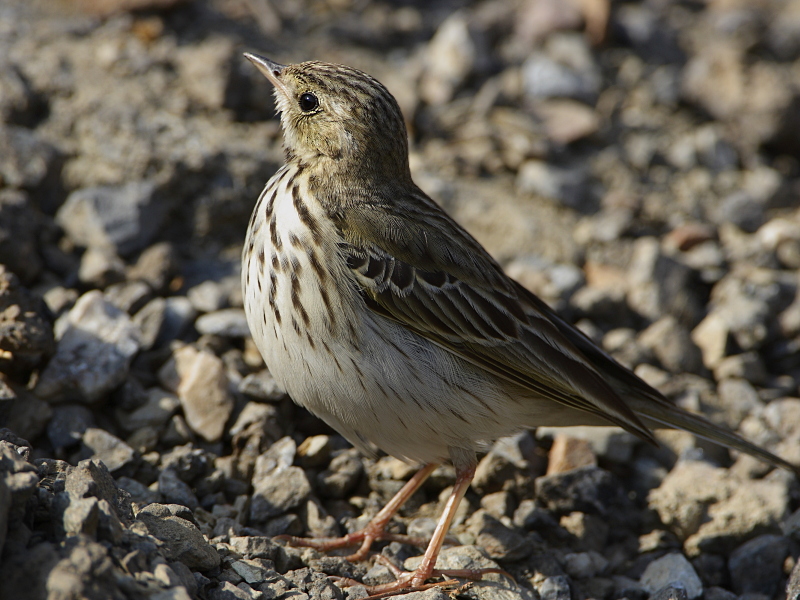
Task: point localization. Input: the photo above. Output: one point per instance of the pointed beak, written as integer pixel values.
(270, 70)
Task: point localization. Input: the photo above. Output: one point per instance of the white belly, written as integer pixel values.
(372, 380)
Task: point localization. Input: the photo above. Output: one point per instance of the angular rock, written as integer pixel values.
(660, 285)
(569, 453)
(155, 412)
(100, 445)
(262, 386)
(278, 491)
(670, 341)
(68, 424)
(201, 383)
(122, 218)
(176, 491)
(342, 475)
(672, 569)
(97, 342)
(29, 162)
(756, 567)
(585, 489)
(228, 322)
(497, 540)
(449, 60)
(91, 479)
(182, 540)
(26, 334)
(19, 235)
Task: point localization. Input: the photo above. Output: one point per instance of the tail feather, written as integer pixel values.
(659, 413)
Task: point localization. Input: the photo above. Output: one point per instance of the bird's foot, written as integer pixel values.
(415, 581)
(373, 532)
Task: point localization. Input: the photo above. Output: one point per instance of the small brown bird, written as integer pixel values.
(383, 317)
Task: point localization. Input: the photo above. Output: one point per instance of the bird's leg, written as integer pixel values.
(375, 530)
(415, 580)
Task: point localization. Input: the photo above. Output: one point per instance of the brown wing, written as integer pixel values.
(436, 280)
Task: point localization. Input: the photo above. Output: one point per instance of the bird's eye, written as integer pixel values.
(308, 102)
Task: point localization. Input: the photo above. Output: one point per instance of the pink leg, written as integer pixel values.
(376, 528)
(415, 580)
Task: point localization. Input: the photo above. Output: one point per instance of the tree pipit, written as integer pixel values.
(387, 320)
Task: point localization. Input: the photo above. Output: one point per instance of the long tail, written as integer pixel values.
(658, 413)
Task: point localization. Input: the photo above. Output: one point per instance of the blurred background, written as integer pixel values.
(633, 163)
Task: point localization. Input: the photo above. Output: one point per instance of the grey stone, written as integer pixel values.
(738, 398)
(98, 444)
(124, 218)
(227, 322)
(566, 69)
(253, 570)
(669, 570)
(202, 386)
(139, 492)
(553, 283)
(448, 60)
(674, 591)
(97, 342)
(317, 522)
(568, 186)
(27, 414)
(19, 479)
(793, 585)
(377, 575)
(60, 299)
(498, 504)
(25, 574)
(188, 462)
(756, 567)
(205, 71)
(208, 296)
(262, 386)
(100, 268)
(510, 458)
(29, 162)
(660, 285)
(129, 296)
(497, 540)
(583, 565)
(750, 510)
(68, 424)
(81, 516)
(315, 451)
(86, 571)
(741, 209)
(255, 547)
(17, 101)
(227, 591)
(19, 235)
(342, 475)
(585, 489)
(555, 588)
(278, 491)
(182, 540)
(91, 479)
(26, 335)
(156, 266)
(176, 491)
(670, 341)
(156, 411)
(747, 365)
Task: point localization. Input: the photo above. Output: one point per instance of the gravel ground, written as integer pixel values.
(635, 164)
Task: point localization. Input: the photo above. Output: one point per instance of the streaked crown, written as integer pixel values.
(338, 114)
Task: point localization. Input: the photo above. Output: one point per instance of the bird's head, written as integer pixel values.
(338, 115)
